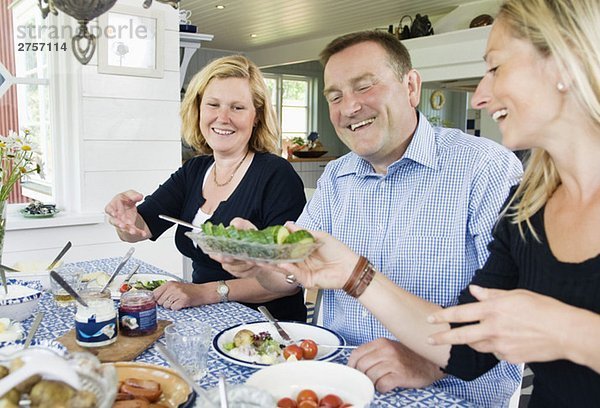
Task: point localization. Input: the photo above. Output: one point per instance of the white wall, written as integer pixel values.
(119, 132)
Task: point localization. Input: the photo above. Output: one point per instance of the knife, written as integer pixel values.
(33, 329)
(59, 279)
(59, 256)
(3, 278)
(286, 337)
(119, 267)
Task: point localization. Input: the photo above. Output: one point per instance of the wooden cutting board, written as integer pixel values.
(124, 349)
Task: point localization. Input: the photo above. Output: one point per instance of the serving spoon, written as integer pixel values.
(178, 221)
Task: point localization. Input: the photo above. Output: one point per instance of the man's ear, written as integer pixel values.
(413, 79)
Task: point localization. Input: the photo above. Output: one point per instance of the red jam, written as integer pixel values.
(137, 313)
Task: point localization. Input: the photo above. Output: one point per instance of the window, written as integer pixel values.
(292, 98)
(24, 94)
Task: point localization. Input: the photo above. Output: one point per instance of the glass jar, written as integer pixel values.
(137, 313)
(96, 324)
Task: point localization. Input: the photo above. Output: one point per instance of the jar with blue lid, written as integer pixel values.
(96, 324)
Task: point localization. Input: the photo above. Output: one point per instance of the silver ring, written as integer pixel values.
(291, 279)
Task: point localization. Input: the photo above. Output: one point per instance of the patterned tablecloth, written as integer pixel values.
(220, 317)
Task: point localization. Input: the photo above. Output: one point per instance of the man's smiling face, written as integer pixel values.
(371, 109)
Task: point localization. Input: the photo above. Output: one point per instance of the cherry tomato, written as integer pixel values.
(309, 349)
(331, 401)
(292, 350)
(307, 395)
(307, 404)
(286, 403)
(124, 287)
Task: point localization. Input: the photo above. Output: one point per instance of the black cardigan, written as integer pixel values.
(515, 263)
(270, 193)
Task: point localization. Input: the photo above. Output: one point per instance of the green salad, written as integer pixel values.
(275, 242)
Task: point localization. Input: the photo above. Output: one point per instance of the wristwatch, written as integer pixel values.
(223, 291)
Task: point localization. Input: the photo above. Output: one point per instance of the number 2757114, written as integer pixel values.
(42, 46)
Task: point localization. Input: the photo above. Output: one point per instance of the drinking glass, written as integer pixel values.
(73, 277)
(189, 342)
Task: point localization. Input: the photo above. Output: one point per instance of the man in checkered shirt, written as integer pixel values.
(418, 201)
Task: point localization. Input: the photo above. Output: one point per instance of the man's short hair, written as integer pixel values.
(399, 57)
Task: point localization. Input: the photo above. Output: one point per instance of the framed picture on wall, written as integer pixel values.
(131, 42)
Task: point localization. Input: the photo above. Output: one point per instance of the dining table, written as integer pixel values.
(220, 316)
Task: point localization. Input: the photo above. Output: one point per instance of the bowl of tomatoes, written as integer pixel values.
(310, 383)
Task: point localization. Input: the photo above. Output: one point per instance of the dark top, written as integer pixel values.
(270, 193)
(529, 264)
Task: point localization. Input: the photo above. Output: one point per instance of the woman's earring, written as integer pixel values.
(561, 87)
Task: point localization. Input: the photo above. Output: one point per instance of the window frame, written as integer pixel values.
(311, 107)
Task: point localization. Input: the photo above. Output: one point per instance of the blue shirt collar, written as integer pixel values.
(422, 149)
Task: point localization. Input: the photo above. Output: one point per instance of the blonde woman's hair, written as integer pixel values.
(265, 135)
(569, 32)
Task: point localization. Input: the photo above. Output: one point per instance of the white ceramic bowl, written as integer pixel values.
(287, 380)
(22, 299)
(8, 348)
(32, 271)
(41, 276)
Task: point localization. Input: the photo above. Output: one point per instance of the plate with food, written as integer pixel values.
(274, 244)
(37, 209)
(153, 383)
(327, 384)
(258, 344)
(138, 281)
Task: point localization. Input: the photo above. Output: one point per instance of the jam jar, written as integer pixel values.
(96, 324)
(137, 313)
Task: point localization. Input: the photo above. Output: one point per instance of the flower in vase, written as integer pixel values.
(19, 157)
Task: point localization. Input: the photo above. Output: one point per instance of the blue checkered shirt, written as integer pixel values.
(425, 225)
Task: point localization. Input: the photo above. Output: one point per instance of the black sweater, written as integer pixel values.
(515, 263)
(270, 193)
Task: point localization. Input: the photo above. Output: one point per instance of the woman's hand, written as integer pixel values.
(328, 267)
(123, 215)
(516, 325)
(179, 295)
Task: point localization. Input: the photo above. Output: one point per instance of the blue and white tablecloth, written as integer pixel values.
(60, 320)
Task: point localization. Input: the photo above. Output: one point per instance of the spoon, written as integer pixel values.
(68, 288)
(59, 256)
(34, 326)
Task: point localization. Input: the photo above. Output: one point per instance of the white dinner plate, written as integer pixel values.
(297, 331)
(287, 380)
(138, 277)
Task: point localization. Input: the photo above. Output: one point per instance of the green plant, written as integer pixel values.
(18, 158)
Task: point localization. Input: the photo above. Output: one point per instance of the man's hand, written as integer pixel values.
(389, 364)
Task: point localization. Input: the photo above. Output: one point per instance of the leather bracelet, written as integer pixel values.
(364, 282)
(356, 274)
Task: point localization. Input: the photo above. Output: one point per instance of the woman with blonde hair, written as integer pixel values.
(228, 119)
(537, 298)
